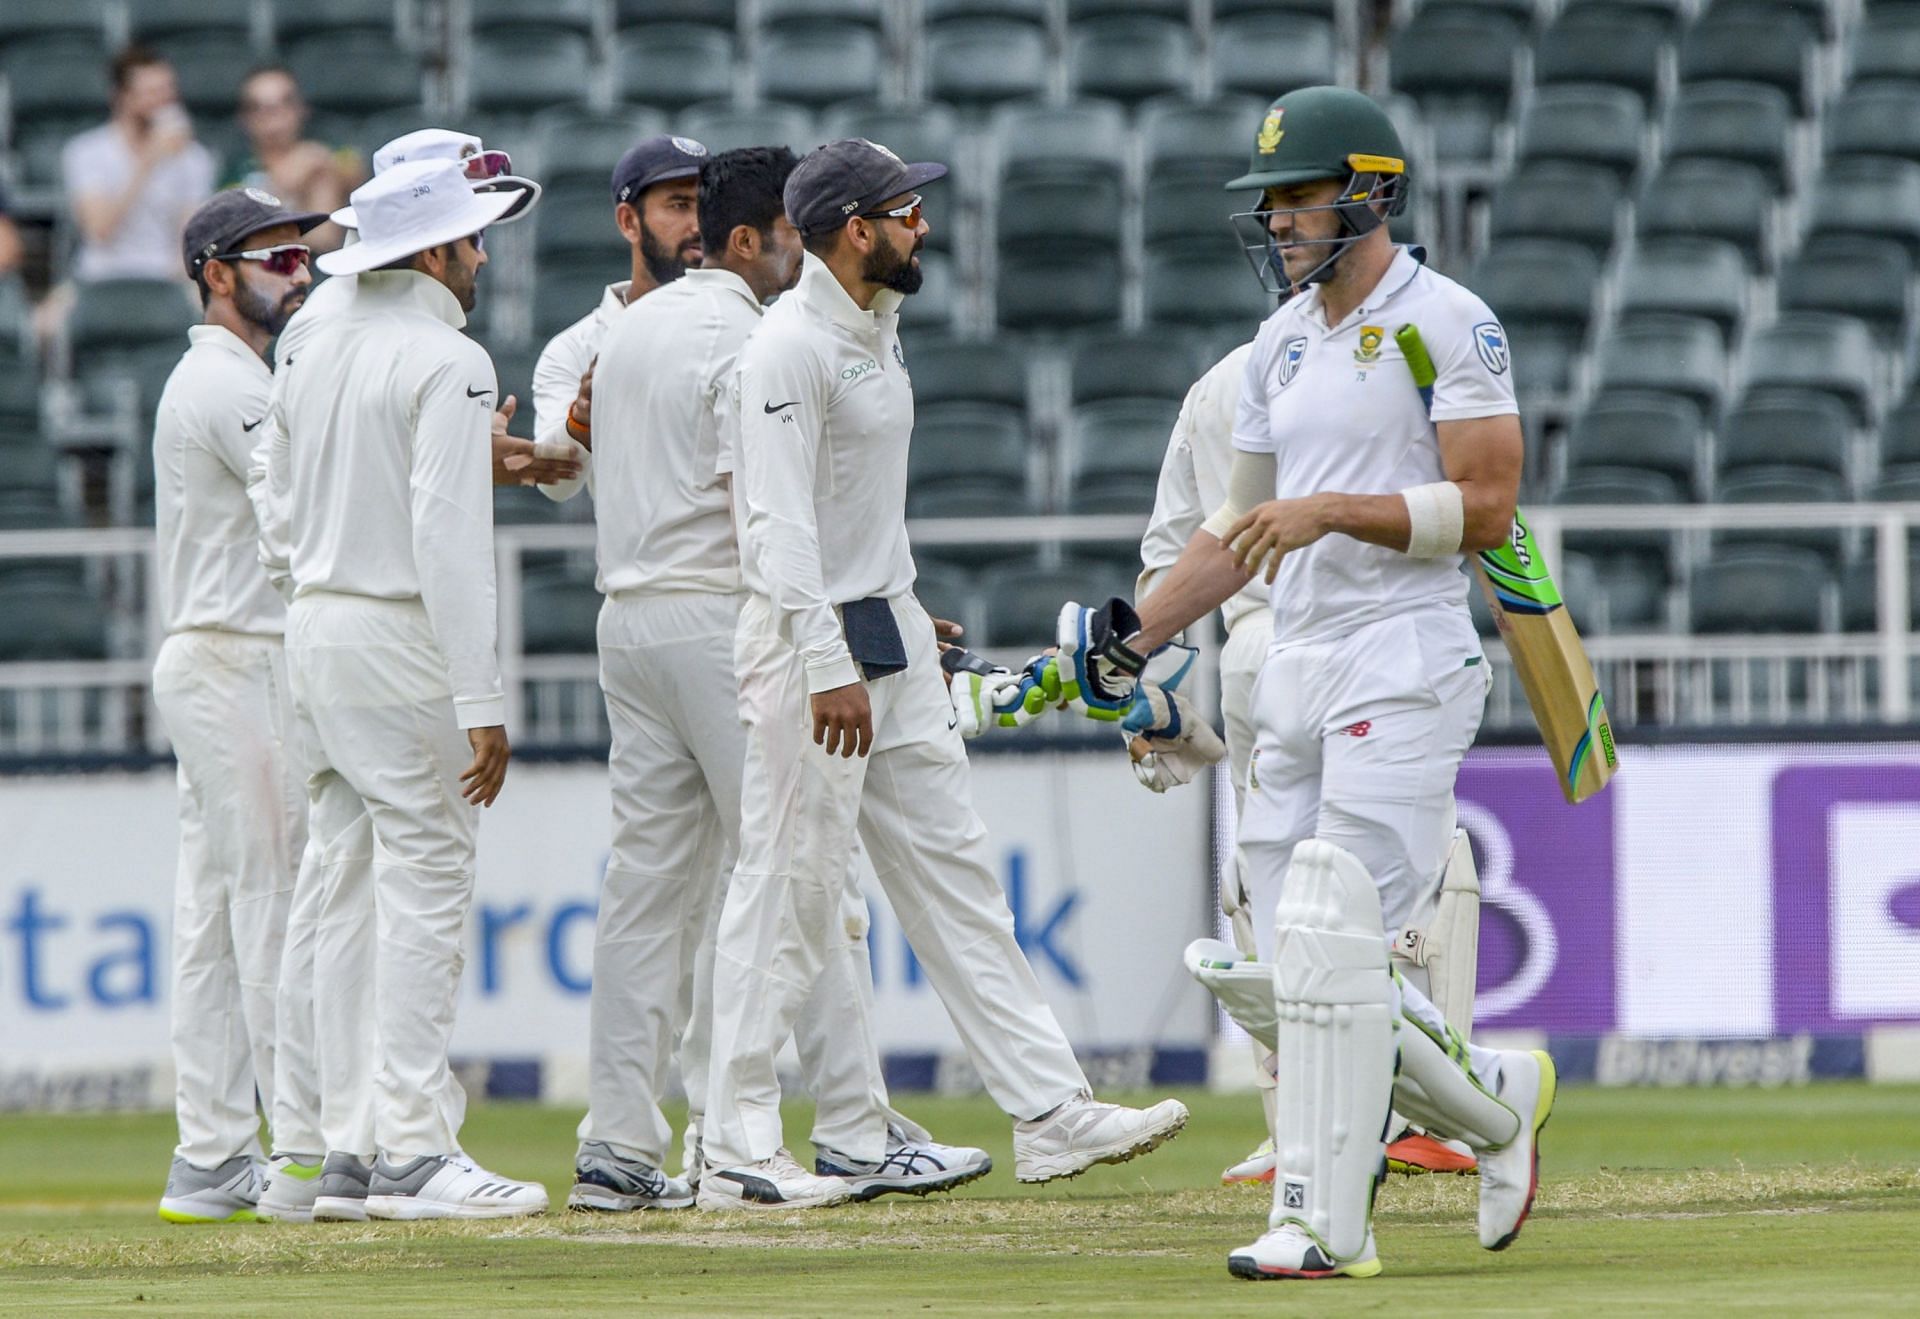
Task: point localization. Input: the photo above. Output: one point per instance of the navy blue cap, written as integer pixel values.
(227, 217)
(655, 160)
(847, 178)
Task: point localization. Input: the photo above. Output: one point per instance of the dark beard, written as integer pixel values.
(664, 266)
(256, 308)
(889, 269)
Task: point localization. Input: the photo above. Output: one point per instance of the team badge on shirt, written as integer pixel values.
(1291, 352)
(1369, 350)
(1490, 341)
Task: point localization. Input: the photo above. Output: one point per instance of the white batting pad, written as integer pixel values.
(1453, 944)
(1243, 985)
(1437, 1086)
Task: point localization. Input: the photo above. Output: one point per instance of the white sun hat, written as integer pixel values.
(486, 170)
(411, 208)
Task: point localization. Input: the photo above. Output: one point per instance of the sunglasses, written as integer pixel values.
(908, 214)
(487, 165)
(281, 260)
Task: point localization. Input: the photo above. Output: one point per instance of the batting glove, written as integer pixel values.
(1167, 739)
(986, 695)
(1096, 669)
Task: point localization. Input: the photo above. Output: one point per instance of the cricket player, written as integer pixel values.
(220, 684)
(850, 725)
(337, 1183)
(391, 645)
(1354, 508)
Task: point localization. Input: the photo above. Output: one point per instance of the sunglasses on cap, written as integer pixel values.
(908, 214)
(487, 165)
(281, 260)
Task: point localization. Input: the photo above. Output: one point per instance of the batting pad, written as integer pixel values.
(1243, 986)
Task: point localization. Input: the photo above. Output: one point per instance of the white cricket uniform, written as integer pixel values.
(391, 643)
(825, 413)
(220, 684)
(556, 383)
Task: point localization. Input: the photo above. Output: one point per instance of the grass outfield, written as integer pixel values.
(1672, 1202)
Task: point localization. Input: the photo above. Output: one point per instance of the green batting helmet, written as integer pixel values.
(1322, 133)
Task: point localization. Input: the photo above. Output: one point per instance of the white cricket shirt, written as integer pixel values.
(388, 469)
(203, 434)
(824, 416)
(1338, 408)
(666, 521)
(1193, 476)
(556, 383)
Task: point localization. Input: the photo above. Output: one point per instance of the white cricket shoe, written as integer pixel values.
(226, 1193)
(1083, 1131)
(1256, 1168)
(1290, 1252)
(292, 1185)
(1510, 1176)
(607, 1180)
(910, 1167)
(776, 1183)
(449, 1186)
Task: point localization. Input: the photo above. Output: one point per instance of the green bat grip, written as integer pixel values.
(1419, 361)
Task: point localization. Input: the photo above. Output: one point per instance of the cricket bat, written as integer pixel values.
(1541, 640)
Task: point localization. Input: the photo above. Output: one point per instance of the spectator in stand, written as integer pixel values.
(133, 181)
(307, 175)
(9, 240)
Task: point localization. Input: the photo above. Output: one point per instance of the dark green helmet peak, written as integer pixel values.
(1322, 133)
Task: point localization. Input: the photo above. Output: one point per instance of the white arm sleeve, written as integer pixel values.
(556, 383)
(1249, 484)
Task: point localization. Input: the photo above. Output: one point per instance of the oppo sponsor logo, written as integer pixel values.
(859, 369)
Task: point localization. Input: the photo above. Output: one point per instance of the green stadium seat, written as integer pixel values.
(818, 62)
(150, 20)
(1085, 137)
(1058, 288)
(978, 61)
(50, 621)
(1900, 433)
(1206, 141)
(929, 132)
(208, 68)
(1682, 355)
(1115, 447)
(939, 300)
(1723, 199)
(559, 610)
(129, 313)
(971, 497)
(1898, 485)
(1130, 57)
(947, 370)
(1755, 588)
(1670, 14)
(1028, 11)
(1864, 277)
(1784, 484)
(574, 16)
(528, 67)
(1580, 586)
(1539, 280)
(1789, 427)
(1021, 598)
(711, 13)
(1620, 47)
(86, 17)
(1756, 49)
(1559, 200)
(1036, 210)
(1732, 121)
(1635, 592)
(1874, 197)
(971, 440)
(673, 64)
(1821, 351)
(61, 74)
(1877, 119)
(519, 506)
(292, 19)
(573, 145)
(570, 286)
(1079, 10)
(1192, 210)
(1161, 362)
(946, 590)
(1692, 276)
(1327, 9)
(1266, 55)
(1456, 53)
(722, 127)
(779, 14)
(1653, 432)
(1585, 122)
(1189, 285)
(382, 73)
(575, 215)
(1544, 359)
(1815, 17)
(1886, 44)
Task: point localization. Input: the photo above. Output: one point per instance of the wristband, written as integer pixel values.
(1436, 517)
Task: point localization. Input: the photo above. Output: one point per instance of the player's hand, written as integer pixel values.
(1096, 669)
(521, 462)
(480, 782)
(843, 720)
(1267, 534)
(1167, 740)
(946, 637)
(580, 411)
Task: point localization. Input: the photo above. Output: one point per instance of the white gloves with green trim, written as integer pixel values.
(986, 695)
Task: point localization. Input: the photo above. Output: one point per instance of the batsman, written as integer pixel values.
(1353, 500)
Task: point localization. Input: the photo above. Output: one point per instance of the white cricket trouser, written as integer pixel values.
(372, 691)
(911, 802)
(225, 701)
(1240, 662)
(678, 748)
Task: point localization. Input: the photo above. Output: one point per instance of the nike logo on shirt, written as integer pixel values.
(478, 393)
(771, 408)
(249, 425)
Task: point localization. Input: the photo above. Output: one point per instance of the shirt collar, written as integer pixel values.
(219, 336)
(721, 278)
(819, 289)
(613, 301)
(1406, 263)
(422, 292)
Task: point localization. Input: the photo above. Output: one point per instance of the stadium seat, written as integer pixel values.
(150, 20)
(129, 313)
(1191, 210)
(1539, 280)
(518, 506)
(1620, 47)
(968, 370)
(568, 290)
(1115, 447)
(383, 74)
(929, 132)
(1724, 199)
(1206, 142)
(1897, 485)
(820, 61)
(712, 13)
(1628, 487)
(1560, 200)
(574, 145)
(972, 497)
(1078, 10)
(1022, 598)
(1130, 57)
(972, 440)
(559, 611)
(1755, 588)
(1327, 9)
(1818, 350)
(1585, 122)
(1036, 210)
(1187, 284)
(1672, 354)
(527, 67)
(1692, 276)
(1058, 288)
(1815, 17)
(1785, 427)
(1768, 49)
(63, 74)
(940, 297)
(86, 17)
(208, 67)
(977, 61)
(576, 216)
(50, 620)
(946, 590)
(1029, 11)
(722, 127)
(1086, 137)
(1159, 362)
(1732, 121)
(777, 15)
(1886, 43)
(1900, 433)
(1268, 54)
(673, 64)
(577, 16)
(1878, 119)
(1654, 432)
(1635, 592)
(1874, 196)
(1784, 485)
(1544, 357)
(292, 19)
(1864, 277)
(1456, 52)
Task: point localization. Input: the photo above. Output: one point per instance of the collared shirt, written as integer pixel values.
(1193, 477)
(556, 383)
(387, 466)
(825, 415)
(1337, 407)
(667, 520)
(146, 243)
(210, 573)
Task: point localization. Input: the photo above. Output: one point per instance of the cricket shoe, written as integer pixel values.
(1256, 1168)
(776, 1183)
(227, 1193)
(1083, 1131)
(1510, 1176)
(1290, 1252)
(449, 1186)
(1415, 1152)
(291, 1187)
(606, 1180)
(910, 1167)
(340, 1193)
